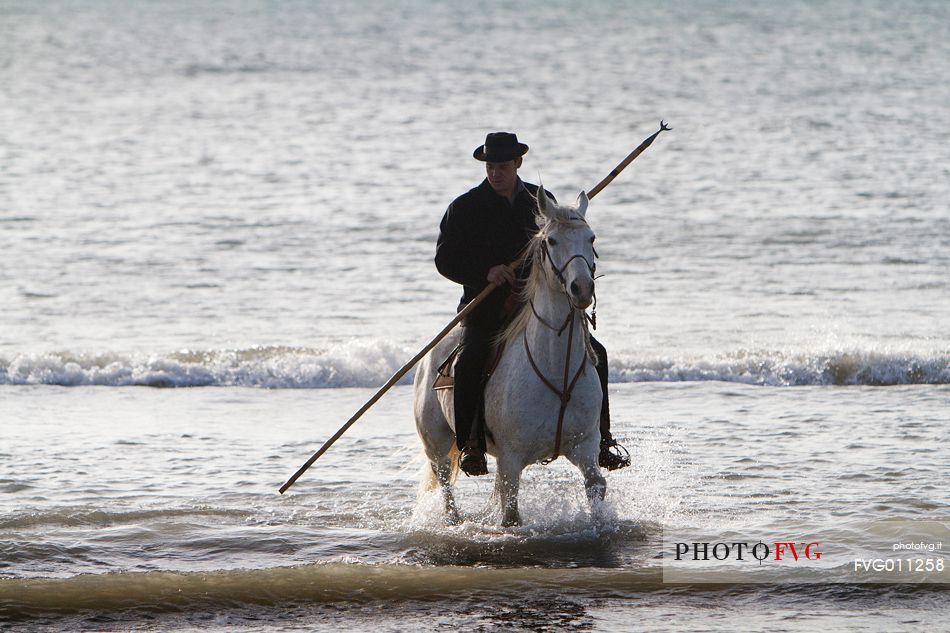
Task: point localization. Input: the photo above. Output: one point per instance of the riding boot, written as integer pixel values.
(472, 460)
(612, 454)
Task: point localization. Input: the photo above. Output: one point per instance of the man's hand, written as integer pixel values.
(501, 274)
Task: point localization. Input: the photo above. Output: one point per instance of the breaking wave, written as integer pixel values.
(792, 369)
(371, 363)
(355, 364)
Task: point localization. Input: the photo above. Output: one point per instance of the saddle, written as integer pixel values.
(445, 378)
(446, 372)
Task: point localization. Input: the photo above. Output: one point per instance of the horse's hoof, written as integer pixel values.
(511, 522)
(453, 518)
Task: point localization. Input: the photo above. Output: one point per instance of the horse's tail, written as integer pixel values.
(453, 463)
(430, 482)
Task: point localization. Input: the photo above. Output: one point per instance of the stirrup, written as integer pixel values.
(472, 461)
(613, 456)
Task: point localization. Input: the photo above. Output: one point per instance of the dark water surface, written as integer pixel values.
(129, 519)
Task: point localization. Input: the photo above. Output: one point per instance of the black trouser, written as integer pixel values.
(469, 383)
(601, 353)
(469, 379)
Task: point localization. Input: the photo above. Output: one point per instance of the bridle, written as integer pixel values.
(568, 384)
(559, 274)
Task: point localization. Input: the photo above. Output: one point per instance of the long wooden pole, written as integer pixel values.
(626, 161)
(448, 328)
(392, 381)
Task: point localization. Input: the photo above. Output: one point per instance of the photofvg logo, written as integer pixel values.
(735, 557)
(874, 552)
(759, 552)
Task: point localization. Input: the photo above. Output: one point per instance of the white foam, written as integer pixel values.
(351, 364)
(369, 363)
(852, 366)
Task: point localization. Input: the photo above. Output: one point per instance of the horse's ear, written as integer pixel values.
(542, 197)
(582, 201)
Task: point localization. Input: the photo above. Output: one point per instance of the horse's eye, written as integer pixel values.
(551, 241)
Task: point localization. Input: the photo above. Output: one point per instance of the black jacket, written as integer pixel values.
(479, 230)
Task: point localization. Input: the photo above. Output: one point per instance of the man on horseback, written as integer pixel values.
(481, 232)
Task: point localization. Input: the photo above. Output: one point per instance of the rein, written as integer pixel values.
(564, 393)
(559, 330)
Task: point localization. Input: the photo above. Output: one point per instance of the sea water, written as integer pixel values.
(217, 223)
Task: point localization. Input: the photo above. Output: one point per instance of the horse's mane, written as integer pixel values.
(555, 218)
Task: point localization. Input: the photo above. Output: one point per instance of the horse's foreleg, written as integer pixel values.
(507, 481)
(594, 482)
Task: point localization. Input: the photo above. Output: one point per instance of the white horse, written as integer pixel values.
(543, 399)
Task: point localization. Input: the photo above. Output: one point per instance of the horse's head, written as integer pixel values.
(566, 244)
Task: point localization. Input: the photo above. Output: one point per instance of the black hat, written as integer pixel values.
(500, 147)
